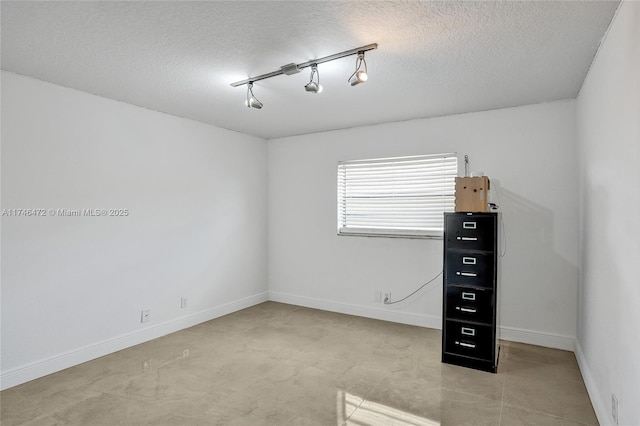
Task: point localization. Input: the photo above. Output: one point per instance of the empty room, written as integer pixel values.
(320, 213)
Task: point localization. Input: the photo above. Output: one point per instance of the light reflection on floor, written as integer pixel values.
(353, 410)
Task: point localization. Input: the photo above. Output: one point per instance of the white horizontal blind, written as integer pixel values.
(403, 196)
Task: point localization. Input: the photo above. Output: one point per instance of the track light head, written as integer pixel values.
(359, 75)
(314, 86)
(252, 101)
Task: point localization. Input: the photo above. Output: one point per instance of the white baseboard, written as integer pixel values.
(531, 337)
(45, 367)
(600, 405)
(538, 338)
(358, 310)
(35, 370)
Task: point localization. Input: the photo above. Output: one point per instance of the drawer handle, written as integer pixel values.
(467, 274)
(469, 310)
(466, 345)
(468, 260)
(468, 296)
(468, 331)
(469, 225)
(468, 238)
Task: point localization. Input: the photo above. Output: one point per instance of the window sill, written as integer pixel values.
(381, 233)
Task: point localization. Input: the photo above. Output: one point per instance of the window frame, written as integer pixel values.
(448, 196)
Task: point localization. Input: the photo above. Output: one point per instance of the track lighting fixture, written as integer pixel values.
(252, 101)
(314, 86)
(359, 76)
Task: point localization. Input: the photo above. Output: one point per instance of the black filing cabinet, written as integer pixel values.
(470, 290)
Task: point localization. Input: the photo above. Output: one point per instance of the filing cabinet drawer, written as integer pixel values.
(470, 231)
(469, 268)
(469, 304)
(469, 340)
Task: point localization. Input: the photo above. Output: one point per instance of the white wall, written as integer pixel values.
(73, 287)
(608, 113)
(530, 155)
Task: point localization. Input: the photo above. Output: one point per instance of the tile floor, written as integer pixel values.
(277, 364)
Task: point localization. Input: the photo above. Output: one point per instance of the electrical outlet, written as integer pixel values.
(614, 408)
(145, 315)
(387, 297)
(183, 302)
(378, 296)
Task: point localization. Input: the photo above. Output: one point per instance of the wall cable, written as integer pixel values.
(388, 302)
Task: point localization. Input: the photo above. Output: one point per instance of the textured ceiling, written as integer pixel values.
(433, 59)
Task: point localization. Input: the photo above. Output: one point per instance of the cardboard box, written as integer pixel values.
(472, 194)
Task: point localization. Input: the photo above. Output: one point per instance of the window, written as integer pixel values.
(396, 197)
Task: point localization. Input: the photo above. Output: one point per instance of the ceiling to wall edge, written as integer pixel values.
(266, 139)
